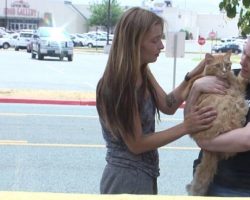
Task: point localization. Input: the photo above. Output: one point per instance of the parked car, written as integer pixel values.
(75, 40)
(23, 40)
(29, 44)
(8, 40)
(94, 34)
(97, 42)
(54, 42)
(227, 47)
(227, 40)
(78, 39)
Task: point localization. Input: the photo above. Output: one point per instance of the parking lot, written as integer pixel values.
(63, 144)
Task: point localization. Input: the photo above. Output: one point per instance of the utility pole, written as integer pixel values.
(6, 16)
(75, 8)
(108, 25)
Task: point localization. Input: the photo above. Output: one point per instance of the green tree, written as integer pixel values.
(99, 15)
(232, 7)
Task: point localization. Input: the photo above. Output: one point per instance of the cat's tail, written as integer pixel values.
(203, 175)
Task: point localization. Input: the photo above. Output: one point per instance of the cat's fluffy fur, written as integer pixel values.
(231, 112)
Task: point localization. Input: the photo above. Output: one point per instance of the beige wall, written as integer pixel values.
(200, 24)
(63, 15)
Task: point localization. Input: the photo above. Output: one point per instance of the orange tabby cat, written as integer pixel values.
(231, 112)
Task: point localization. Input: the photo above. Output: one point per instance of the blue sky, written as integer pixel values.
(208, 6)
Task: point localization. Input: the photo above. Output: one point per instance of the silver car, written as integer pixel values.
(54, 42)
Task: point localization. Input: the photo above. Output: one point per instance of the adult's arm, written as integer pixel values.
(237, 140)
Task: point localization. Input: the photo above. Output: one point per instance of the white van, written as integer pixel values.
(23, 40)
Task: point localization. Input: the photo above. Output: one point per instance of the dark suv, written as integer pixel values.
(235, 48)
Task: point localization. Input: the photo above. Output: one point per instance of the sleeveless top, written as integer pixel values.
(118, 153)
(235, 171)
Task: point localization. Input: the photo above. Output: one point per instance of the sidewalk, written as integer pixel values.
(67, 196)
(47, 97)
(63, 97)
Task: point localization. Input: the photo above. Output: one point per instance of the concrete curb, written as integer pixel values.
(85, 102)
(12, 195)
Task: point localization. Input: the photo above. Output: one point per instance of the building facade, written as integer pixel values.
(30, 14)
(196, 23)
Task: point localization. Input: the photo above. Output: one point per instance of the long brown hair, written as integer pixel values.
(116, 94)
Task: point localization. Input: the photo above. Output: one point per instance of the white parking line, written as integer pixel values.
(48, 115)
(55, 69)
(170, 119)
(99, 146)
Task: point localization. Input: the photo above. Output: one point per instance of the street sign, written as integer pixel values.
(212, 35)
(201, 41)
(175, 47)
(175, 44)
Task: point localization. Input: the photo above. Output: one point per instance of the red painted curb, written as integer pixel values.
(88, 102)
(182, 105)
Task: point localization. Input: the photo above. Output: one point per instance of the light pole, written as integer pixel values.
(108, 25)
(75, 8)
(6, 17)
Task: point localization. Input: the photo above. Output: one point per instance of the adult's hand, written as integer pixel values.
(211, 84)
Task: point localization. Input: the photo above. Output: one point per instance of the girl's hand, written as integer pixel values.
(198, 69)
(199, 119)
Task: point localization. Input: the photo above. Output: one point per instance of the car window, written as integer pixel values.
(27, 35)
(53, 32)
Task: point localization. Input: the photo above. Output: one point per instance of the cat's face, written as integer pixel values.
(218, 65)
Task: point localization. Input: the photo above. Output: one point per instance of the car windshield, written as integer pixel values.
(26, 35)
(54, 33)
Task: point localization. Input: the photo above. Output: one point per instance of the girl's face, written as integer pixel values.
(151, 44)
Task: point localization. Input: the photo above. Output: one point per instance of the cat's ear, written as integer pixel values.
(209, 58)
(228, 55)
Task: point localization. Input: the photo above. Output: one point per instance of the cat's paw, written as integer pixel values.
(195, 190)
(188, 189)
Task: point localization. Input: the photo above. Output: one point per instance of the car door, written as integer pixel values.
(35, 42)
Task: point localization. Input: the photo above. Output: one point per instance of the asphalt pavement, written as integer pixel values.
(63, 97)
(75, 97)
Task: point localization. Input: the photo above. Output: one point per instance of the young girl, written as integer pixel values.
(128, 97)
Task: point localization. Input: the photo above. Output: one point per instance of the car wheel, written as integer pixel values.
(33, 55)
(16, 48)
(28, 49)
(6, 45)
(90, 45)
(70, 57)
(39, 55)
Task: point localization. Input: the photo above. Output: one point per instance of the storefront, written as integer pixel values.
(16, 15)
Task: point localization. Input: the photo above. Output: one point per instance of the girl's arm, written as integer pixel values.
(195, 121)
(169, 103)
